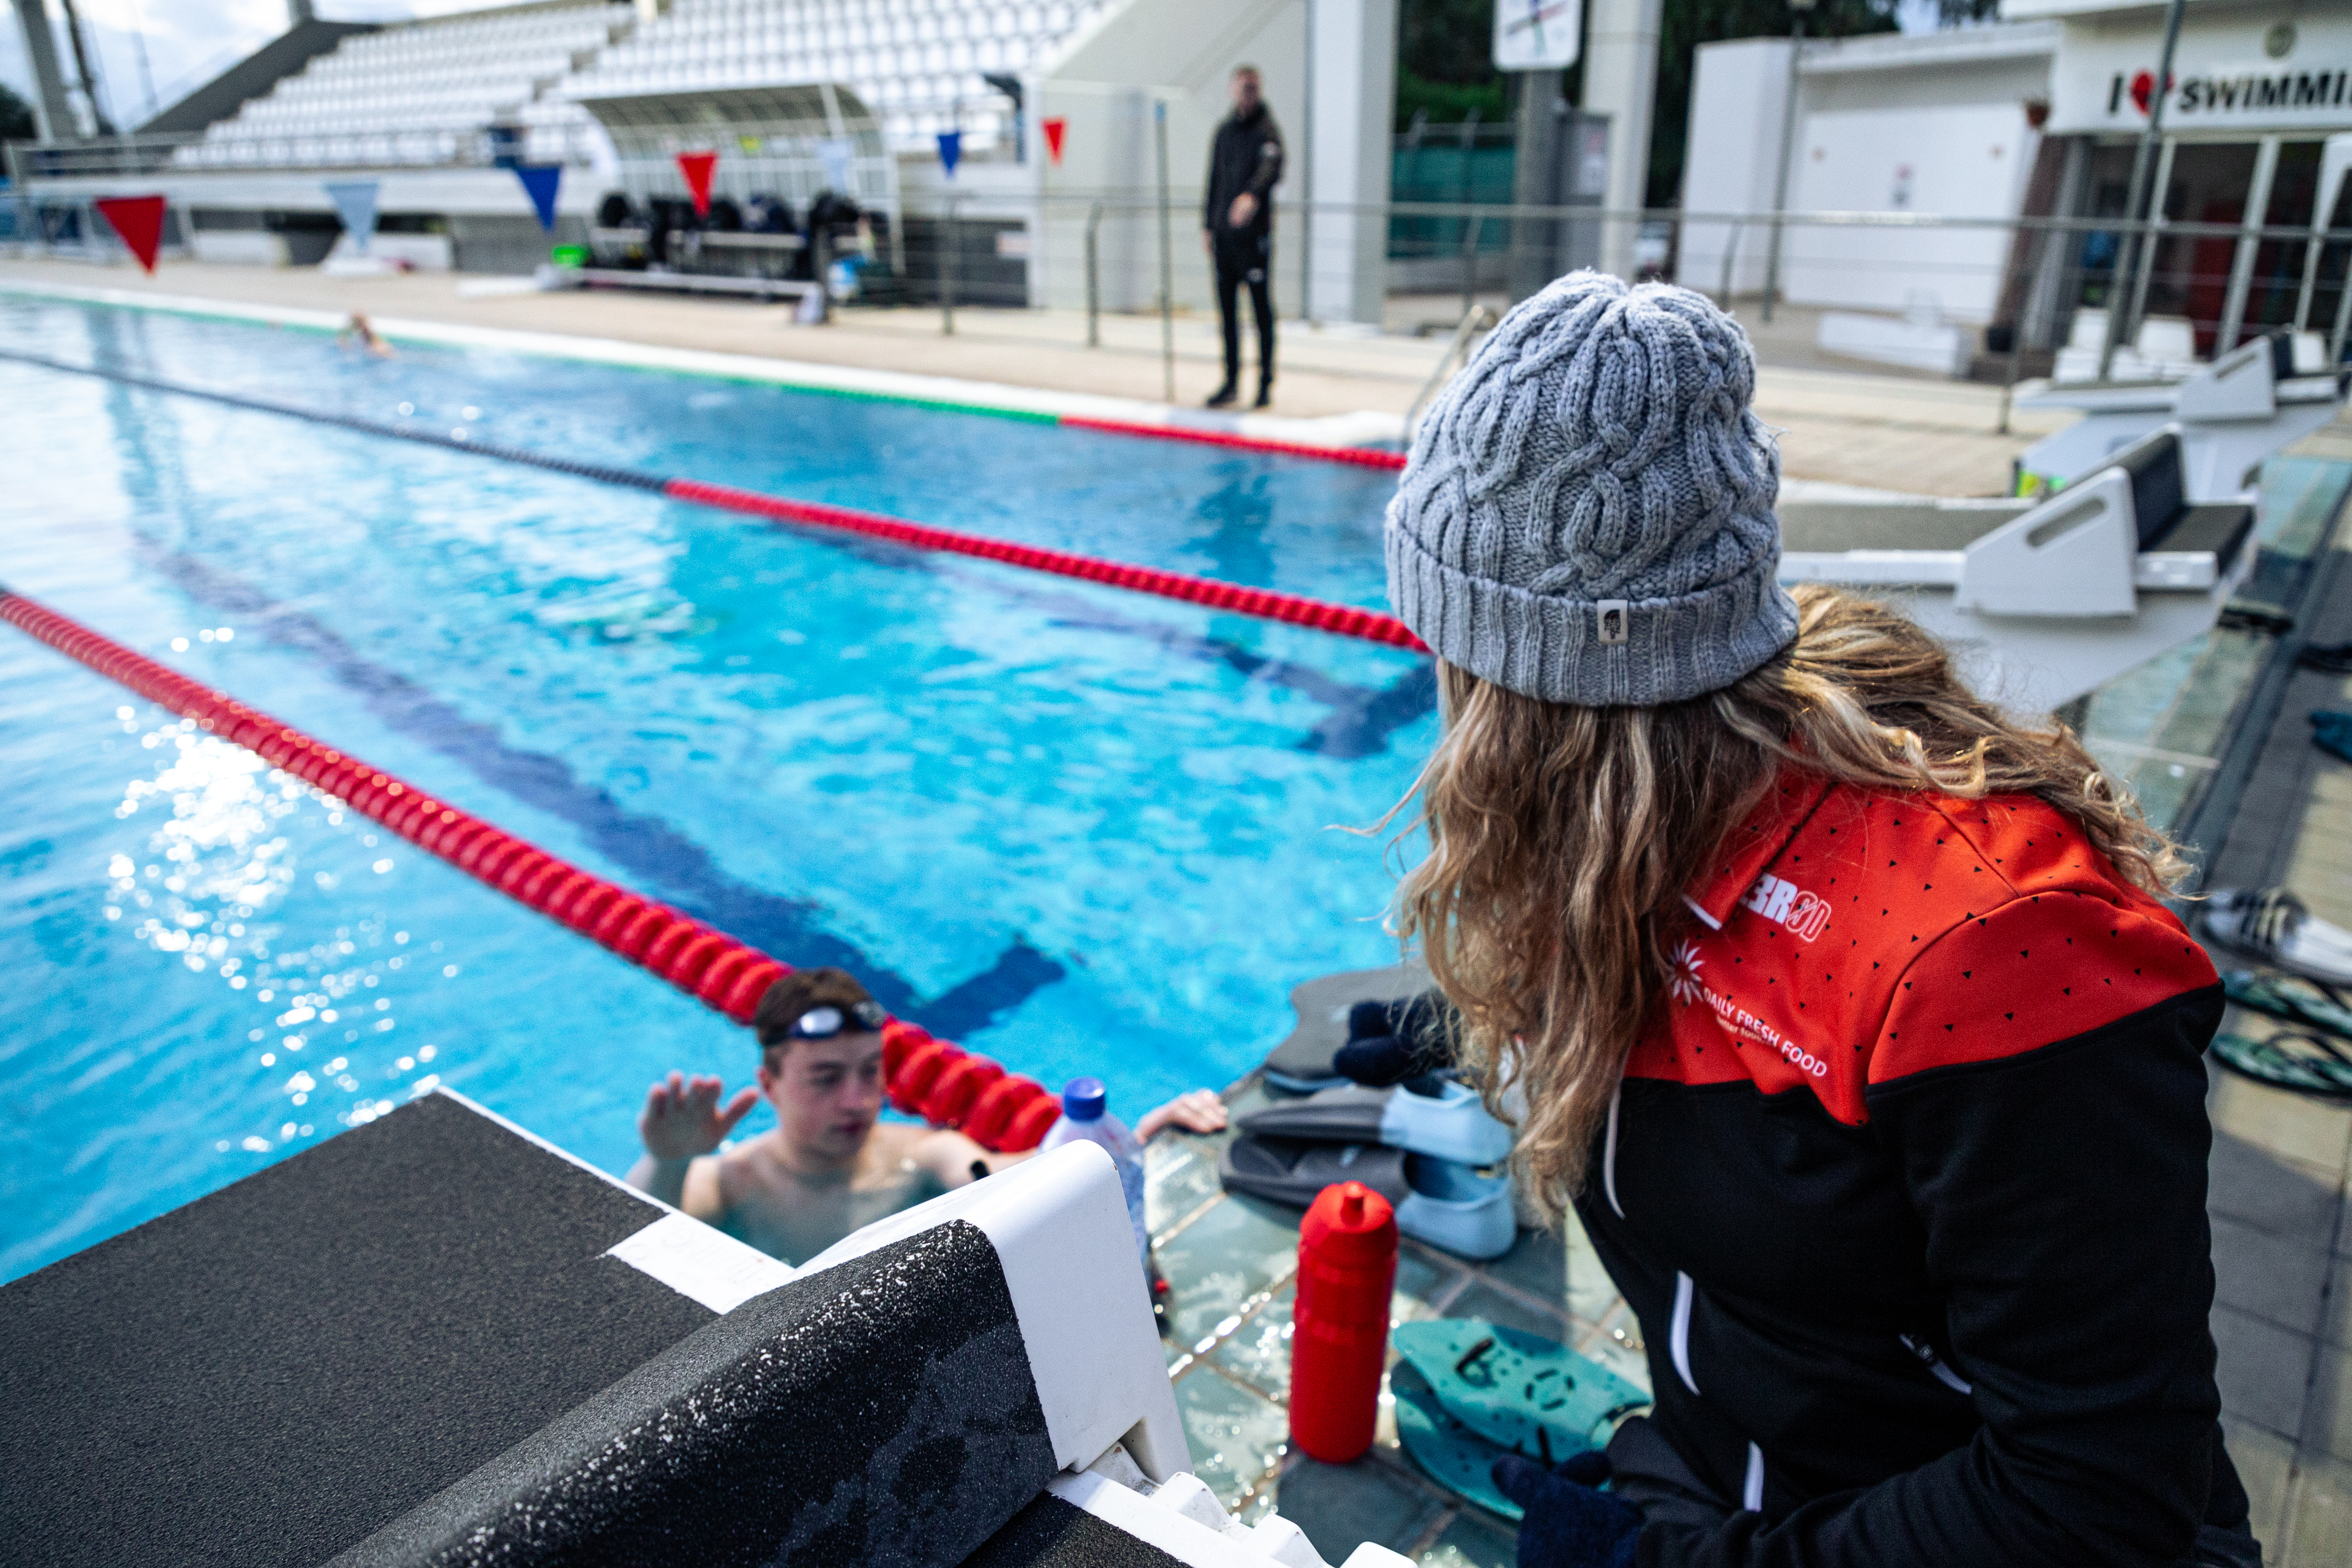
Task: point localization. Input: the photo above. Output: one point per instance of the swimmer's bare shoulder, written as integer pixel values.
(750, 1179)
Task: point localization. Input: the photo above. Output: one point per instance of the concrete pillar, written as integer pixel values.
(1534, 180)
(1348, 140)
(49, 105)
(1621, 81)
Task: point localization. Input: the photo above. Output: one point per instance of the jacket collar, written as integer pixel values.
(1756, 843)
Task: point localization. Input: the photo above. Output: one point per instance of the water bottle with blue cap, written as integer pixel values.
(1085, 1118)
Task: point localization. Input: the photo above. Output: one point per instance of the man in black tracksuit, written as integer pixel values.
(1237, 225)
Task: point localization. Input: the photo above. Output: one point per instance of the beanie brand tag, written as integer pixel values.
(1610, 616)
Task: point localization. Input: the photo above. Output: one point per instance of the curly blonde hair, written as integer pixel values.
(1562, 840)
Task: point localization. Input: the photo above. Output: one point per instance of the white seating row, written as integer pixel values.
(920, 64)
(411, 93)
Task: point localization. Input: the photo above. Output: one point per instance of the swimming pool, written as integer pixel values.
(1074, 829)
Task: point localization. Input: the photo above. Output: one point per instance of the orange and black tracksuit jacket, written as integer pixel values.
(1906, 1182)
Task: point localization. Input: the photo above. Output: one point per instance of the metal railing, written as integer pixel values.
(237, 148)
(1998, 298)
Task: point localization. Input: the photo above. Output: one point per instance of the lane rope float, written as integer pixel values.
(934, 1078)
(1359, 457)
(1264, 604)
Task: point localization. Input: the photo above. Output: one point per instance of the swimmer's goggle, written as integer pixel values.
(824, 1022)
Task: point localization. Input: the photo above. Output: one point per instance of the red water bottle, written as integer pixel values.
(1347, 1272)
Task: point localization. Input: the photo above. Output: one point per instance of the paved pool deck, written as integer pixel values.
(2281, 1194)
(1233, 1263)
(1844, 426)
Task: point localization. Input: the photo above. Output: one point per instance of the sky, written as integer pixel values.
(186, 42)
(152, 52)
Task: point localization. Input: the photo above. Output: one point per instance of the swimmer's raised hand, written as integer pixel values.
(682, 1118)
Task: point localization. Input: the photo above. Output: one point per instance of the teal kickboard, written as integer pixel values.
(1519, 1391)
(1448, 1453)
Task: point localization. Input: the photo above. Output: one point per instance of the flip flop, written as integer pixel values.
(1521, 1392)
(1436, 1201)
(2321, 1068)
(2308, 1003)
(1449, 1122)
(2273, 925)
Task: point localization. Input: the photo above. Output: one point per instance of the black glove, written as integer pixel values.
(1568, 1524)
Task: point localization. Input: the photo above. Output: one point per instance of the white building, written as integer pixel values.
(2036, 116)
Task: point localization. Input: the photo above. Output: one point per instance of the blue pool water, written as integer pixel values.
(1076, 829)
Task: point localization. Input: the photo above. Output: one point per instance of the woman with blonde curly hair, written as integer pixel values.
(1842, 1006)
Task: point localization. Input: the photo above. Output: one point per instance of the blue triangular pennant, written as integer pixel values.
(355, 205)
(950, 150)
(538, 182)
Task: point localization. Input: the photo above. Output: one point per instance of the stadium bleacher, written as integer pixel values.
(918, 63)
(415, 94)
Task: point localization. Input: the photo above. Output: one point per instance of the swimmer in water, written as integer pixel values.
(830, 1165)
(359, 333)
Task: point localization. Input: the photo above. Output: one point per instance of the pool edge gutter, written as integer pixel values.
(1339, 437)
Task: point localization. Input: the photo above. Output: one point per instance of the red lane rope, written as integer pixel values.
(1345, 620)
(926, 1076)
(1363, 457)
(1264, 603)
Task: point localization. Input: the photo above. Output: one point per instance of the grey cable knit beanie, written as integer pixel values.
(1587, 517)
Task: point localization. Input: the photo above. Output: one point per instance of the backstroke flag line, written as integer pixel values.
(539, 182)
(839, 156)
(697, 168)
(355, 205)
(140, 221)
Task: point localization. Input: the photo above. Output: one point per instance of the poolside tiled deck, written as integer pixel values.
(2281, 1170)
(1232, 1262)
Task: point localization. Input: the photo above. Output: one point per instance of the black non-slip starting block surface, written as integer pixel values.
(1051, 1533)
(406, 1345)
(270, 1375)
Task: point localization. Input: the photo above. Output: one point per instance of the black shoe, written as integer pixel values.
(1265, 394)
(1224, 397)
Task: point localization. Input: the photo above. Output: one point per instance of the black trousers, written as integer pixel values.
(1246, 260)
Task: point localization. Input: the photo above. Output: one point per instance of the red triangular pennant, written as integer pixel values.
(140, 221)
(1055, 127)
(697, 168)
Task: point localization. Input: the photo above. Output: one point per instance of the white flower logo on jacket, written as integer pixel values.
(1684, 981)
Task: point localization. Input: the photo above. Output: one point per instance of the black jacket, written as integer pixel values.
(1906, 1182)
(1245, 154)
